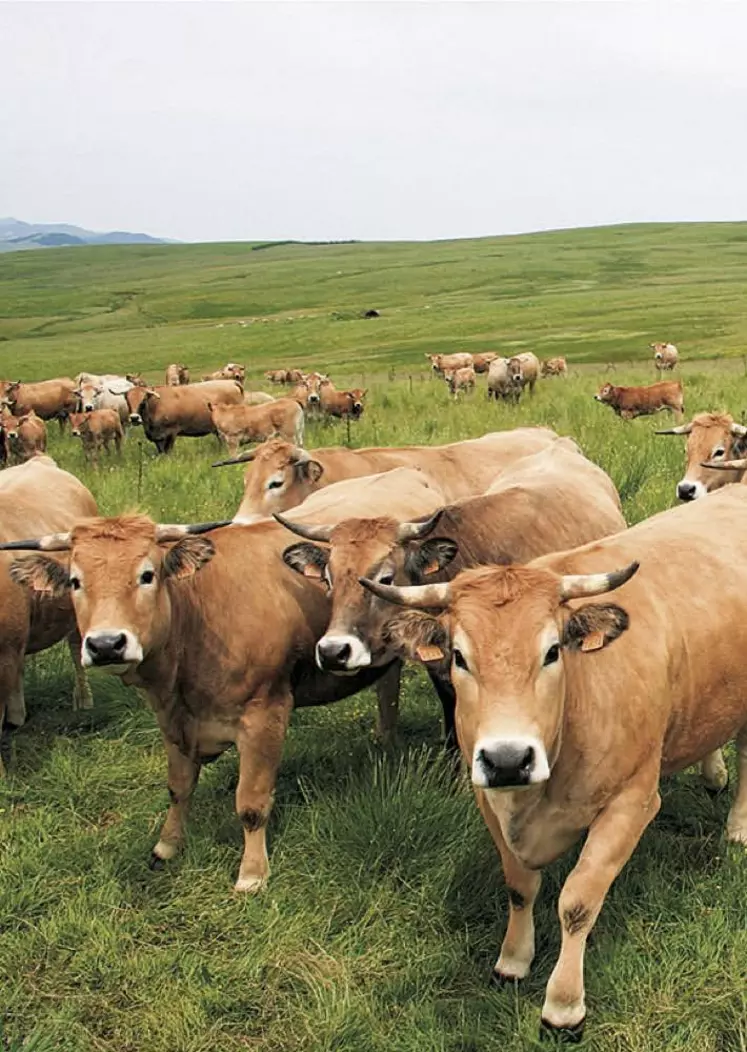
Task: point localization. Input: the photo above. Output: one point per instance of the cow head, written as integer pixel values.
(76, 422)
(87, 393)
(605, 394)
(515, 372)
(381, 549)
(507, 632)
(135, 398)
(314, 382)
(357, 397)
(711, 437)
(281, 476)
(116, 577)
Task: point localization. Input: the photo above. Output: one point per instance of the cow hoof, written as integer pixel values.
(714, 791)
(250, 885)
(501, 980)
(156, 862)
(562, 1035)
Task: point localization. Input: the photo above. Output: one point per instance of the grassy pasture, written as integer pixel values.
(386, 908)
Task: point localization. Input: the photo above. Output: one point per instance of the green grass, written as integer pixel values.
(385, 908)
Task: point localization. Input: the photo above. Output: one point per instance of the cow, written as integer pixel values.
(481, 362)
(35, 497)
(257, 398)
(499, 382)
(218, 632)
(460, 379)
(712, 438)
(50, 399)
(237, 425)
(281, 475)
(103, 392)
(547, 501)
(231, 371)
(554, 367)
(97, 430)
(166, 412)
(524, 371)
(313, 382)
(666, 356)
(569, 708)
(8, 423)
(341, 404)
(277, 376)
(176, 375)
(441, 362)
(630, 402)
(25, 437)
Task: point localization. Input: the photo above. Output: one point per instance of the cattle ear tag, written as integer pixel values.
(594, 641)
(429, 653)
(312, 570)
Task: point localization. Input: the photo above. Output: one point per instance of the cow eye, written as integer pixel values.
(718, 452)
(460, 660)
(274, 483)
(74, 583)
(552, 654)
(386, 578)
(147, 577)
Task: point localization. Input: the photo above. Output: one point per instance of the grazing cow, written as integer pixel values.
(341, 403)
(25, 436)
(554, 367)
(223, 654)
(712, 439)
(460, 379)
(36, 497)
(281, 476)
(666, 356)
(551, 500)
(481, 362)
(231, 371)
(50, 399)
(524, 371)
(257, 398)
(238, 425)
(97, 430)
(166, 412)
(630, 402)
(441, 362)
(569, 712)
(176, 375)
(499, 381)
(104, 392)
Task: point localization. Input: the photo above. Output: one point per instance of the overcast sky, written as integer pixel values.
(212, 121)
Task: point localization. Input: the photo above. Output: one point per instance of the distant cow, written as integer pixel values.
(177, 375)
(284, 376)
(666, 356)
(166, 412)
(231, 371)
(238, 425)
(460, 379)
(97, 430)
(107, 391)
(481, 362)
(499, 381)
(341, 403)
(524, 371)
(630, 402)
(25, 436)
(50, 399)
(714, 442)
(441, 362)
(554, 367)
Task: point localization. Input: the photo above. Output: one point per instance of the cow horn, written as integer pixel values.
(415, 531)
(417, 596)
(310, 533)
(52, 542)
(578, 586)
(174, 531)
(681, 429)
(299, 456)
(242, 458)
(725, 465)
(738, 429)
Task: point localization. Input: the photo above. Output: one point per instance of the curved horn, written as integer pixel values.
(738, 429)
(578, 586)
(175, 531)
(682, 429)
(299, 456)
(414, 531)
(310, 533)
(52, 542)
(420, 597)
(725, 465)
(242, 458)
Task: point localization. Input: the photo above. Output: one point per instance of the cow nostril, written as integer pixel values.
(525, 763)
(120, 642)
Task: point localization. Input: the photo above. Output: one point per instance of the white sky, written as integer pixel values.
(211, 121)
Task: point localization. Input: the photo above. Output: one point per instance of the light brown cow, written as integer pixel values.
(281, 476)
(711, 437)
(166, 412)
(257, 398)
(341, 404)
(176, 375)
(238, 425)
(460, 379)
(630, 402)
(223, 654)
(441, 362)
(36, 497)
(666, 356)
(25, 436)
(50, 399)
(555, 367)
(500, 384)
(8, 422)
(524, 370)
(481, 362)
(97, 430)
(568, 714)
(231, 371)
(313, 382)
(277, 376)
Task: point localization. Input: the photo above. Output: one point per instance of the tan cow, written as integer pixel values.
(231, 371)
(481, 362)
(500, 384)
(50, 399)
(257, 398)
(237, 425)
(284, 376)
(630, 402)
(166, 412)
(441, 362)
(176, 375)
(711, 437)
(341, 404)
(25, 437)
(281, 475)
(97, 430)
(223, 654)
(313, 382)
(666, 356)
(554, 367)
(524, 370)
(569, 711)
(36, 497)
(460, 379)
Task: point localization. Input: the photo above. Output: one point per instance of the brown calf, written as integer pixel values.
(460, 379)
(25, 436)
(341, 403)
(630, 402)
(97, 430)
(238, 425)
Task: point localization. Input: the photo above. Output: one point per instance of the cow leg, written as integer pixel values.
(387, 695)
(232, 444)
(611, 840)
(12, 702)
(61, 421)
(713, 771)
(183, 772)
(517, 948)
(82, 697)
(736, 823)
(259, 742)
(447, 697)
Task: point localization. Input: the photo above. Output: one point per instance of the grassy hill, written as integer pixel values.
(594, 295)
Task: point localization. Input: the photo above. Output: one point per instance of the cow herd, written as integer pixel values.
(574, 664)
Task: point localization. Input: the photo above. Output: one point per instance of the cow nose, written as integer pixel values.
(686, 491)
(134, 418)
(107, 648)
(88, 408)
(333, 654)
(313, 399)
(506, 765)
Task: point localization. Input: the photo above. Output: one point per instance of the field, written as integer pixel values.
(385, 908)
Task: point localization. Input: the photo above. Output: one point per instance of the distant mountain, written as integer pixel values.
(15, 235)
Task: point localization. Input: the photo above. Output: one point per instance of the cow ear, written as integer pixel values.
(593, 626)
(429, 557)
(187, 556)
(307, 559)
(417, 636)
(312, 470)
(42, 575)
